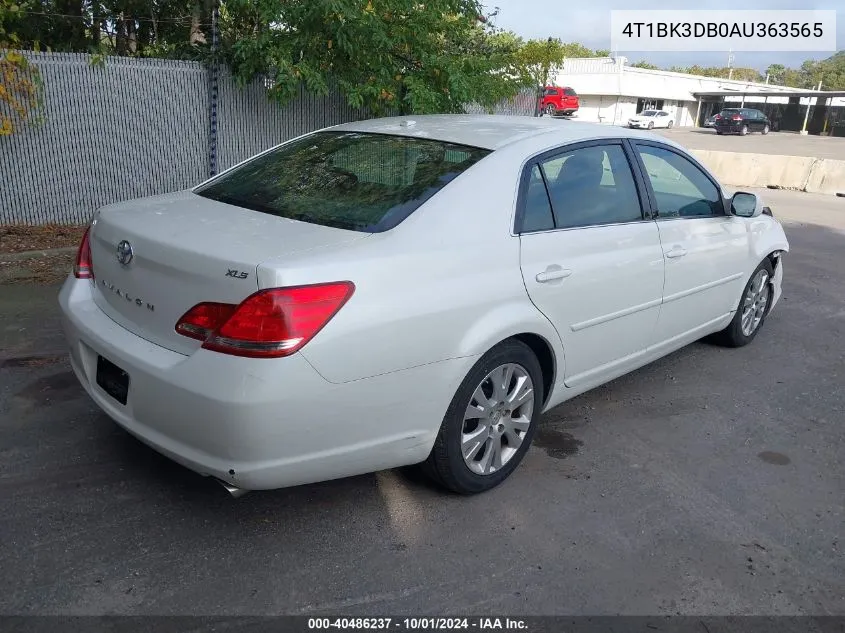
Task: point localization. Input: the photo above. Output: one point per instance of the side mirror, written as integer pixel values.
(746, 205)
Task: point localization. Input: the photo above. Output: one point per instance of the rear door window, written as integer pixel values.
(538, 210)
(592, 185)
(347, 180)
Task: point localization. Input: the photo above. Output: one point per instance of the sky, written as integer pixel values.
(570, 22)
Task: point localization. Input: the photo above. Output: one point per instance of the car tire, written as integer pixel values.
(651, 125)
(550, 110)
(670, 125)
(752, 309)
(765, 129)
(719, 132)
(743, 130)
(446, 464)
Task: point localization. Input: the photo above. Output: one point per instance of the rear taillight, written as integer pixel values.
(83, 268)
(268, 324)
(718, 116)
(200, 321)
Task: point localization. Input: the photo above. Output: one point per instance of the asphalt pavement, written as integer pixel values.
(711, 482)
(781, 143)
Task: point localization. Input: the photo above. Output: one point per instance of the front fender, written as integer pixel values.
(766, 236)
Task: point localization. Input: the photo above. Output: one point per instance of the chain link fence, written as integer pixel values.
(135, 127)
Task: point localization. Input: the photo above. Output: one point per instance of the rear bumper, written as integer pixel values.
(257, 423)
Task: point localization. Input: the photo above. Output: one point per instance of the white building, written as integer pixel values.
(612, 92)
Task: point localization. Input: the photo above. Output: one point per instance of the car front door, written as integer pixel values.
(591, 258)
(705, 248)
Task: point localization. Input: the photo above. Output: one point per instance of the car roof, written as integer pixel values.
(491, 131)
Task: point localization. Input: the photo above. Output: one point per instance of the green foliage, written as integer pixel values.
(541, 60)
(646, 65)
(383, 54)
(724, 72)
(21, 92)
(830, 72)
(386, 55)
(21, 85)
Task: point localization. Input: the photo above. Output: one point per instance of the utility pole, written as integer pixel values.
(545, 78)
(730, 64)
(807, 113)
(213, 88)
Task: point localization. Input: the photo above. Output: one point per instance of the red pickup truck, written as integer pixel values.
(559, 100)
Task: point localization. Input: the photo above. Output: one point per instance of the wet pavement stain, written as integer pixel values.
(770, 457)
(32, 361)
(558, 444)
(49, 387)
(573, 424)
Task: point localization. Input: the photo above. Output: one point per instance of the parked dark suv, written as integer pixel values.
(742, 121)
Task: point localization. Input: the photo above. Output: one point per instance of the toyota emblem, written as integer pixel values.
(124, 252)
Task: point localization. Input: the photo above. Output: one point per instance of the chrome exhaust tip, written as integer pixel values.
(232, 490)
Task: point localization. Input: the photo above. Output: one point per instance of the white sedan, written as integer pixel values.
(650, 119)
(394, 291)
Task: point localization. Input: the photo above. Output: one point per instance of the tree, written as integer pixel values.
(830, 72)
(745, 74)
(382, 54)
(21, 86)
(775, 72)
(540, 60)
(645, 64)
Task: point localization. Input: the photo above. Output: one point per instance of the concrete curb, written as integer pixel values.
(798, 173)
(14, 257)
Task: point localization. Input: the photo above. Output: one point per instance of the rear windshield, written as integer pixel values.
(731, 112)
(569, 92)
(347, 180)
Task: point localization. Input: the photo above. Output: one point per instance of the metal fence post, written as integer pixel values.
(213, 90)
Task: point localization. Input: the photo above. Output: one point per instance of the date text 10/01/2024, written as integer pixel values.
(417, 624)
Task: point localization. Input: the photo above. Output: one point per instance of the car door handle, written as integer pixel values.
(551, 274)
(676, 252)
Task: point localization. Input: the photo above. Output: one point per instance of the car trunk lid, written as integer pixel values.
(186, 249)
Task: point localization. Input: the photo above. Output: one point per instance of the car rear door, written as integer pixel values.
(706, 249)
(591, 258)
(570, 99)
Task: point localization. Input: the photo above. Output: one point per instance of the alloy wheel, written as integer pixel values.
(755, 302)
(497, 418)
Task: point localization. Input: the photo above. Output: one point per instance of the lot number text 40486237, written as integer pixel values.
(418, 624)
